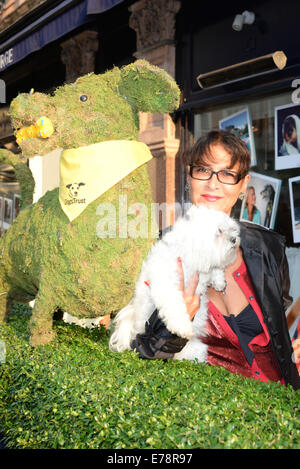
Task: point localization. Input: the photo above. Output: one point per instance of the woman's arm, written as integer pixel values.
(158, 341)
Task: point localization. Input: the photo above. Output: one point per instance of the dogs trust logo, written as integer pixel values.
(73, 192)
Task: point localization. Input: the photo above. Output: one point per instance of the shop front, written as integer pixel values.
(42, 46)
(231, 79)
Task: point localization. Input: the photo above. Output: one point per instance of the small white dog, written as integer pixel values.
(206, 241)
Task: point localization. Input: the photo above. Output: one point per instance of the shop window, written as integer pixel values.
(262, 117)
(9, 197)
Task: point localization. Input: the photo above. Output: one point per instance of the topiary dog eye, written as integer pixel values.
(83, 98)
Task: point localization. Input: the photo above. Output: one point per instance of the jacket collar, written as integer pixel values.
(252, 249)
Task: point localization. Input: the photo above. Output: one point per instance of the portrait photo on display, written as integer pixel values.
(287, 136)
(261, 200)
(294, 187)
(240, 124)
(8, 212)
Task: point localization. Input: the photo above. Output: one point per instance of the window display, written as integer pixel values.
(261, 200)
(287, 136)
(263, 112)
(240, 124)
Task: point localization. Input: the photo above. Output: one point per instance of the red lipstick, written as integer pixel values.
(211, 197)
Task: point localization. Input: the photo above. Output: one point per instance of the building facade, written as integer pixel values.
(233, 64)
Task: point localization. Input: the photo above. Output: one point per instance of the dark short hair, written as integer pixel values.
(289, 126)
(200, 152)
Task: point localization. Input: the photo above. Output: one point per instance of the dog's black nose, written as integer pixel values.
(233, 240)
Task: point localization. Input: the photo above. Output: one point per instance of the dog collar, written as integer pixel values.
(87, 172)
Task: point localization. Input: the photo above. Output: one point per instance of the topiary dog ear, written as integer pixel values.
(148, 88)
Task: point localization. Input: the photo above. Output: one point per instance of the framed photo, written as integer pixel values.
(261, 200)
(16, 205)
(8, 211)
(287, 136)
(294, 186)
(240, 124)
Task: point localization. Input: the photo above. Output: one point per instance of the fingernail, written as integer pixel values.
(179, 259)
(146, 283)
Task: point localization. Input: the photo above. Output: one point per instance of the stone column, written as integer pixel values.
(154, 24)
(78, 54)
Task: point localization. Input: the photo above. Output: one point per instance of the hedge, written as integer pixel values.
(76, 393)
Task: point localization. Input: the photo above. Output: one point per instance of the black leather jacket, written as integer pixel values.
(264, 255)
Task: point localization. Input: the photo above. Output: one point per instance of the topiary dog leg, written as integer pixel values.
(5, 302)
(3, 308)
(41, 332)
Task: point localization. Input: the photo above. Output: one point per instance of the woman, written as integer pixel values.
(247, 329)
(251, 212)
(290, 136)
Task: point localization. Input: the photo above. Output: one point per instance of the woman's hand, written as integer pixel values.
(191, 300)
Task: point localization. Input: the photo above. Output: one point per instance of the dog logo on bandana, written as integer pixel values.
(73, 192)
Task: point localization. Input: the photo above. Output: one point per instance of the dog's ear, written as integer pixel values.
(68, 186)
(148, 88)
(81, 184)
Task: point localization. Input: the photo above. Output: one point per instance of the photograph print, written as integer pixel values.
(261, 200)
(16, 205)
(294, 187)
(240, 124)
(287, 136)
(7, 215)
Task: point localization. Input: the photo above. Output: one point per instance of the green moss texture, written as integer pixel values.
(76, 393)
(66, 264)
(109, 110)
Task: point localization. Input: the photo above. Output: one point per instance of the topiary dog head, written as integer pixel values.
(95, 108)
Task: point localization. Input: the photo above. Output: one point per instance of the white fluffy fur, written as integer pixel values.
(206, 241)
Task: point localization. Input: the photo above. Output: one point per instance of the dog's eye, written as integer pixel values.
(220, 232)
(233, 240)
(83, 98)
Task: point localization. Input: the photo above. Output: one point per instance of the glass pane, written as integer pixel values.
(9, 197)
(262, 114)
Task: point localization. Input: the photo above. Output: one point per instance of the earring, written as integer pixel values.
(187, 187)
(242, 195)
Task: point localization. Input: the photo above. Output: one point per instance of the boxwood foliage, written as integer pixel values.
(75, 393)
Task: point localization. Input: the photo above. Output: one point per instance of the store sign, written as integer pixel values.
(50, 31)
(6, 59)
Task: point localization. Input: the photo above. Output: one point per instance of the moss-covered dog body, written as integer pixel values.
(66, 264)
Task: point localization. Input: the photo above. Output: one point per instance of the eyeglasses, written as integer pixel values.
(225, 176)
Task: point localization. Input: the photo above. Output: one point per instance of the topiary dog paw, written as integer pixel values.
(41, 338)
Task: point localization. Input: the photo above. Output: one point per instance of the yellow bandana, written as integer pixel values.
(88, 172)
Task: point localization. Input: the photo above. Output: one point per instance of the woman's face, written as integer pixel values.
(251, 197)
(213, 193)
(291, 138)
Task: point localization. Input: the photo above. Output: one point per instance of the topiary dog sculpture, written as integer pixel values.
(53, 251)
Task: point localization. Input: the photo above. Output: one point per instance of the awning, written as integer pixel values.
(99, 6)
(49, 27)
